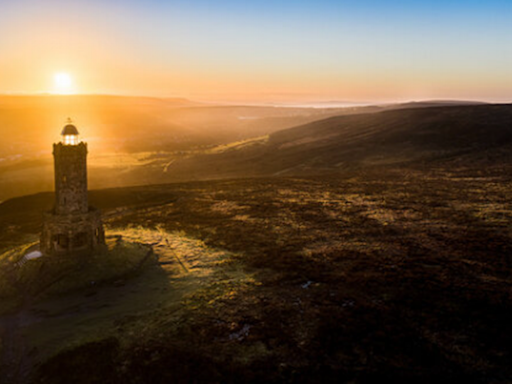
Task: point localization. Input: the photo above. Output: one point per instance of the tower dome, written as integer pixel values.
(69, 134)
(69, 129)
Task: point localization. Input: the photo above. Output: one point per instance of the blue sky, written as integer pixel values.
(383, 50)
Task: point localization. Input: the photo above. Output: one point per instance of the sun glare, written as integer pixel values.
(62, 83)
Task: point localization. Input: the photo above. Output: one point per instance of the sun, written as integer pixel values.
(63, 83)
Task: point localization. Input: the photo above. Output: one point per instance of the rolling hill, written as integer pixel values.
(138, 141)
(461, 134)
(122, 132)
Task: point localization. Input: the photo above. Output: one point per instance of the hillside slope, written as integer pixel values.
(123, 133)
(466, 134)
(401, 276)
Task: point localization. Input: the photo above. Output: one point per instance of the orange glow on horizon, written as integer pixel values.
(103, 48)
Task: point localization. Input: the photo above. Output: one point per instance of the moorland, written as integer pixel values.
(361, 248)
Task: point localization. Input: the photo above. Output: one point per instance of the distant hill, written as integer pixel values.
(124, 132)
(477, 133)
(143, 140)
(434, 103)
(29, 124)
(386, 106)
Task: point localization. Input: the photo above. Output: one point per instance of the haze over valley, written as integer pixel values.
(142, 140)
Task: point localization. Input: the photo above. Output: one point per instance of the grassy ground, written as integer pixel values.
(401, 274)
(121, 309)
(103, 298)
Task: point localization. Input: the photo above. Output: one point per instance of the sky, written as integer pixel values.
(267, 50)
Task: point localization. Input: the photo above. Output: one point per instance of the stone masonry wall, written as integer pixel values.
(70, 178)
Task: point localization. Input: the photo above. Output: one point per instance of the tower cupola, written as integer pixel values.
(69, 134)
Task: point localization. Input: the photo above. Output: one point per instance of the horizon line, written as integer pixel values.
(311, 102)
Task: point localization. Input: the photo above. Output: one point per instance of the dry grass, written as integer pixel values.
(402, 275)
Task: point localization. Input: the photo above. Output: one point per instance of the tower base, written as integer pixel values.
(73, 234)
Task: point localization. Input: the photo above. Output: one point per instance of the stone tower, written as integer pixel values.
(72, 227)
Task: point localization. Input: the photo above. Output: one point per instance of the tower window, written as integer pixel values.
(70, 139)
